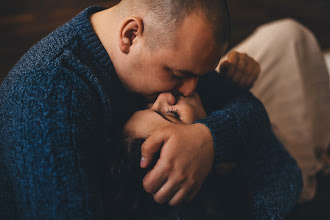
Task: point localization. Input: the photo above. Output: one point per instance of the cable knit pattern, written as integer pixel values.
(60, 107)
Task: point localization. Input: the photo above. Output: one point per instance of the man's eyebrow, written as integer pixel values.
(163, 116)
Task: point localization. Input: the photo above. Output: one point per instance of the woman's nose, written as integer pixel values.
(164, 99)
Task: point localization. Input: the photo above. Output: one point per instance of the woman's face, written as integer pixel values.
(165, 111)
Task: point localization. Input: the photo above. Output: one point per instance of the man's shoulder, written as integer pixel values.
(46, 51)
(67, 42)
(58, 59)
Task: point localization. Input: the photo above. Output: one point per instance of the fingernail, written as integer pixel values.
(142, 161)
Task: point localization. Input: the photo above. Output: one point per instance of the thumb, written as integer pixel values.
(152, 145)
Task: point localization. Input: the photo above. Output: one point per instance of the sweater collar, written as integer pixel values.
(91, 42)
(93, 45)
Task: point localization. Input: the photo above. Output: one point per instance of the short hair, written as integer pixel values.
(171, 13)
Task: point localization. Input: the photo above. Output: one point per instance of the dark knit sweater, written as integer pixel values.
(61, 106)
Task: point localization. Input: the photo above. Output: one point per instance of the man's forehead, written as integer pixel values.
(192, 59)
(196, 64)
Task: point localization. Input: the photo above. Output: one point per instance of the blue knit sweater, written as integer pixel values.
(60, 108)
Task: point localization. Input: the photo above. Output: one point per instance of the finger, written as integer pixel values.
(254, 76)
(178, 198)
(233, 57)
(166, 192)
(248, 73)
(186, 194)
(233, 60)
(151, 146)
(239, 73)
(243, 60)
(157, 177)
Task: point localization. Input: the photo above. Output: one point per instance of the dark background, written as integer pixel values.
(25, 22)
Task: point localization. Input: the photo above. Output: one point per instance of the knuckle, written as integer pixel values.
(193, 183)
(233, 57)
(147, 187)
(174, 202)
(181, 178)
(233, 53)
(167, 167)
(145, 146)
(244, 55)
(242, 59)
(159, 199)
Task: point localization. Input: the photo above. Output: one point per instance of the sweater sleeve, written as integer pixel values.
(237, 120)
(49, 144)
(274, 179)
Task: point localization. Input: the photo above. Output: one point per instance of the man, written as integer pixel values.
(63, 101)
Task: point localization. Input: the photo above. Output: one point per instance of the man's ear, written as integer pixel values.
(131, 28)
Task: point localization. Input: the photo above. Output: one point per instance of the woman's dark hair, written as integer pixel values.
(125, 198)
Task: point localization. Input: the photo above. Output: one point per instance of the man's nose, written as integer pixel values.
(188, 86)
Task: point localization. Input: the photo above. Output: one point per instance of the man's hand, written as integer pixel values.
(186, 158)
(240, 69)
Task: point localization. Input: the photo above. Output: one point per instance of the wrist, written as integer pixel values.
(206, 137)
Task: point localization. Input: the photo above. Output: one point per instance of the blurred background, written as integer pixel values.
(25, 22)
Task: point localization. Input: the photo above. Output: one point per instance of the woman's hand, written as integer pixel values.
(240, 69)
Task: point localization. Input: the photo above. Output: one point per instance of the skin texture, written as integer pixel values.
(240, 68)
(166, 111)
(175, 68)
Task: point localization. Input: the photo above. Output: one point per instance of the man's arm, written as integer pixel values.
(47, 142)
(237, 120)
(237, 124)
(274, 179)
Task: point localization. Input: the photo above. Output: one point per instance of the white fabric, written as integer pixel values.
(326, 55)
(294, 87)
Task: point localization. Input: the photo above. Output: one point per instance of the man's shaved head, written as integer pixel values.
(163, 17)
(163, 45)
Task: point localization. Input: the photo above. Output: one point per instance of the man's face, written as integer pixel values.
(165, 111)
(176, 67)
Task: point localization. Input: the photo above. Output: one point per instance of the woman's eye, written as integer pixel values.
(174, 113)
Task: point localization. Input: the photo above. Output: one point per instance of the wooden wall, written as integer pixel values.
(25, 22)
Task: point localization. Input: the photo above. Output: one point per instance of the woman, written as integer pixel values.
(249, 189)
